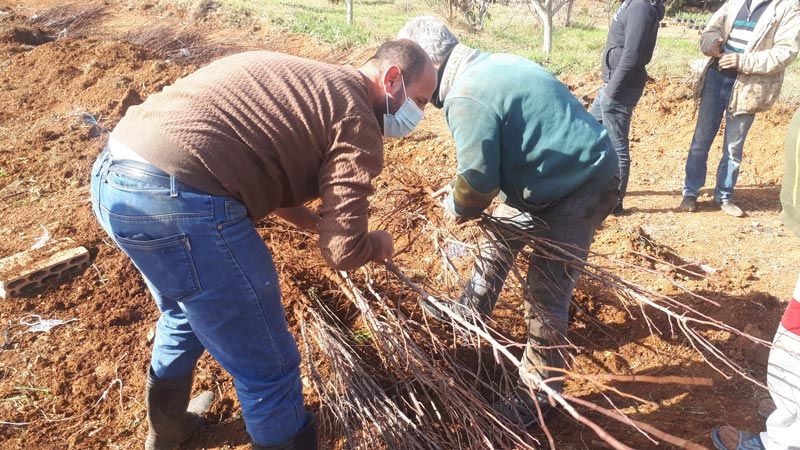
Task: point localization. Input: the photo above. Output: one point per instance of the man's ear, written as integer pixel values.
(392, 80)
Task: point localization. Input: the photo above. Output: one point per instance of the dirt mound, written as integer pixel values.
(58, 100)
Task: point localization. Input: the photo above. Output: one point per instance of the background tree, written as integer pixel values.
(348, 6)
(545, 10)
(474, 12)
(568, 13)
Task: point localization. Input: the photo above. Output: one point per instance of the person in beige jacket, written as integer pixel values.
(749, 44)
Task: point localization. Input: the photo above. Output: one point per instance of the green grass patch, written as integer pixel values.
(330, 31)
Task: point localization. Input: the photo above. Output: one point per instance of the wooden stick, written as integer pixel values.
(693, 381)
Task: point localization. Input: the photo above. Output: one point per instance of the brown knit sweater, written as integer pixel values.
(273, 131)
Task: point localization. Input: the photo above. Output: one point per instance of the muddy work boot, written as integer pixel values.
(305, 439)
(688, 204)
(171, 416)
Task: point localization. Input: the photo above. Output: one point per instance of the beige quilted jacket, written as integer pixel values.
(761, 67)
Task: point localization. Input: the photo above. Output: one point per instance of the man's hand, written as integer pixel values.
(299, 216)
(716, 48)
(383, 240)
(444, 191)
(452, 217)
(444, 194)
(729, 61)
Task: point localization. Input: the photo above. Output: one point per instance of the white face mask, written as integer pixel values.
(403, 122)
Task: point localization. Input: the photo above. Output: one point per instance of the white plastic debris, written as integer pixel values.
(708, 269)
(36, 324)
(455, 250)
(43, 239)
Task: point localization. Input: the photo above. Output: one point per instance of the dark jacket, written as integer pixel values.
(790, 191)
(630, 43)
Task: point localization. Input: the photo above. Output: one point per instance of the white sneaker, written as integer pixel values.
(730, 208)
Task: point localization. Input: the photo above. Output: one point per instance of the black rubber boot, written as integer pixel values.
(171, 416)
(520, 407)
(305, 439)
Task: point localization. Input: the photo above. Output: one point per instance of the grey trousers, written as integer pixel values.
(570, 224)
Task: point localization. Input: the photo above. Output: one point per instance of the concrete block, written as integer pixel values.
(33, 269)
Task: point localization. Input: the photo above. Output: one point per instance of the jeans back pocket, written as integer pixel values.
(166, 263)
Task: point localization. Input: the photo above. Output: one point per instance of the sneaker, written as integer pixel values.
(729, 438)
(730, 208)
(688, 204)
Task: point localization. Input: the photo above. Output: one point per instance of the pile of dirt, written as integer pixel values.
(57, 103)
(58, 100)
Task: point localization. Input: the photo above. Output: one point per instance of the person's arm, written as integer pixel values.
(782, 53)
(641, 19)
(299, 216)
(476, 132)
(713, 37)
(345, 183)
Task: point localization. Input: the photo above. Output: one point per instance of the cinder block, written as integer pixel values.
(32, 269)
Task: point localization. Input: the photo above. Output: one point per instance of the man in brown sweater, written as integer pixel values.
(187, 173)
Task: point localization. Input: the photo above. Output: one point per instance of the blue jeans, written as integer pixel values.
(215, 284)
(616, 114)
(713, 104)
(570, 224)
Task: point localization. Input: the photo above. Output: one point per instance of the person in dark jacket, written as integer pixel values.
(629, 47)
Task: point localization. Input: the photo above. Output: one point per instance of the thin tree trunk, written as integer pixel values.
(349, 7)
(568, 18)
(484, 6)
(547, 42)
(546, 18)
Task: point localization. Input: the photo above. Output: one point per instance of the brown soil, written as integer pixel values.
(80, 385)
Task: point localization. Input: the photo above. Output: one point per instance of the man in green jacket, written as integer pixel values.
(520, 134)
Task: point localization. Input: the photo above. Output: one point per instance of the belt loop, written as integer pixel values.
(105, 165)
(173, 190)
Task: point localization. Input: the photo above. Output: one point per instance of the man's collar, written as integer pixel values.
(459, 59)
(437, 102)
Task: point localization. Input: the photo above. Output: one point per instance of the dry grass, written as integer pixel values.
(72, 19)
(183, 44)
